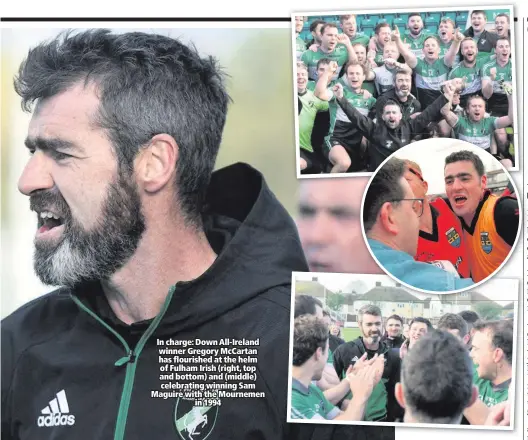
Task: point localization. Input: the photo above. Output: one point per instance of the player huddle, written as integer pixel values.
(460, 372)
(361, 99)
(464, 237)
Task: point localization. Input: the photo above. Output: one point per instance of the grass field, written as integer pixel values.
(350, 334)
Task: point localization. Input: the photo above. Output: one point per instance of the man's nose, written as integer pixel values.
(36, 174)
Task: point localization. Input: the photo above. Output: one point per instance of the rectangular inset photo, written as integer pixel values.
(368, 83)
(365, 349)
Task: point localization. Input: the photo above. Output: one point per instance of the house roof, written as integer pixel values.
(312, 288)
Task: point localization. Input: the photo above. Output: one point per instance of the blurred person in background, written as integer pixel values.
(393, 336)
(471, 318)
(418, 328)
(330, 227)
(454, 324)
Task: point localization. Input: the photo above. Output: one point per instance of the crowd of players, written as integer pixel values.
(361, 99)
(457, 373)
(439, 244)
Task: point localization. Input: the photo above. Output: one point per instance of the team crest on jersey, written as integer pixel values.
(389, 144)
(485, 242)
(453, 237)
(193, 421)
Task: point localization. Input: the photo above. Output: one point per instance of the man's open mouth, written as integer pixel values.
(460, 200)
(48, 220)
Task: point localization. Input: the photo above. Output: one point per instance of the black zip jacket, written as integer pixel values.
(383, 140)
(72, 370)
(395, 342)
(486, 42)
(408, 108)
(349, 352)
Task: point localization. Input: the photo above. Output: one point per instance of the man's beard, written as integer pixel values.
(370, 338)
(81, 256)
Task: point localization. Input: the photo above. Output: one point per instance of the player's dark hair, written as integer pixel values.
(315, 23)
(326, 26)
(379, 26)
(324, 61)
(385, 186)
(470, 317)
(147, 84)
(437, 378)
(390, 102)
(397, 317)
(471, 98)
(413, 14)
(357, 63)
(309, 334)
(423, 321)
(466, 155)
(368, 309)
(479, 12)
(451, 321)
(305, 305)
(344, 18)
(502, 14)
(501, 335)
(433, 37)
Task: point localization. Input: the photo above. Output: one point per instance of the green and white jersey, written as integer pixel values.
(355, 99)
(300, 47)
(384, 79)
(310, 106)
(417, 44)
(361, 39)
(490, 394)
(330, 359)
(310, 403)
(476, 133)
(503, 73)
(310, 58)
(431, 76)
(444, 48)
(311, 86)
(471, 75)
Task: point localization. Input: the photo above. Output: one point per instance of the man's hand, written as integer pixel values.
(372, 46)
(333, 67)
(314, 47)
(367, 94)
(390, 63)
(493, 73)
(395, 34)
(338, 91)
(499, 415)
(449, 89)
(363, 382)
(379, 365)
(506, 87)
(459, 36)
(343, 39)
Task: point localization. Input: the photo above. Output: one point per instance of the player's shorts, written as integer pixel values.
(313, 165)
(354, 151)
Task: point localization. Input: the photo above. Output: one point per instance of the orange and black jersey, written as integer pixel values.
(491, 235)
(446, 241)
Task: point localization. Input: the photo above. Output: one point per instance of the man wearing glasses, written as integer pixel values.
(391, 218)
(440, 238)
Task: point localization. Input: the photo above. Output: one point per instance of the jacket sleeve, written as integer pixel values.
(380, 102)
(339, 362)
(7, 376)
(430, 114)
(362, 123)
(394, 410)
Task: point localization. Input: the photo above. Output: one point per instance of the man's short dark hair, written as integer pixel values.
(391, 102)
(478, 12)
(437, 378)
(385, 186)
(364, 68)
(502, 14)
(466, 155)
(451, 321)
(326, 26)
(470, 317)
(433, 37)
(305, 305)
(379, 26)
(148, 84)
(501, 335)
(413, 14)
(324, 61)
(368, 309)
(397, 317)
(423, 321)
(309, 333)
(315, 23)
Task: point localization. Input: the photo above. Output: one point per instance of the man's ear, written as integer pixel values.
(398, 393)
(387, 218)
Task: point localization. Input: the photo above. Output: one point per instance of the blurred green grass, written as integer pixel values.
(349, 334)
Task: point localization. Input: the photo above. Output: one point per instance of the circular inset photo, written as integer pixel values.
(441, 215)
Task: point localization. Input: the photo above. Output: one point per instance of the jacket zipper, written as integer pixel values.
(131, 358)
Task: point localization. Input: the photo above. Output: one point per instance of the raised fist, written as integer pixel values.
(338, 91)
(493, 73)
